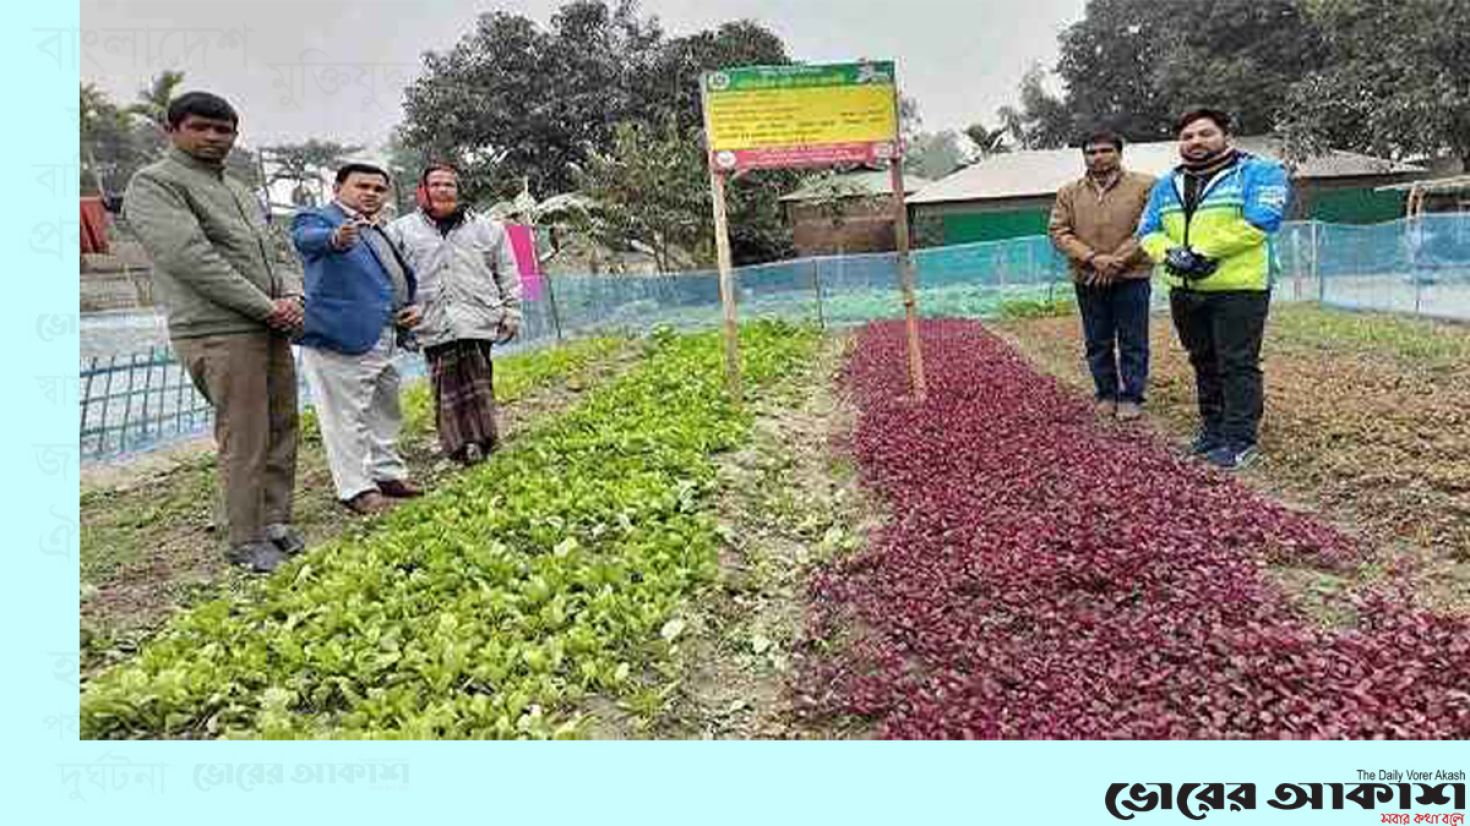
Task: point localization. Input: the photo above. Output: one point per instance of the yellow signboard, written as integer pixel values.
(774, 116)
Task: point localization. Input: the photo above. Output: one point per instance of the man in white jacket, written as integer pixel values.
(470, 289)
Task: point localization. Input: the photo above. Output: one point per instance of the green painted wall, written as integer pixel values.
(966, 228)
(1355, 206)
(1334, 206)
(1339, 206)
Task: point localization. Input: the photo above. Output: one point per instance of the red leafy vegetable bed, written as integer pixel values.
(1045, 577)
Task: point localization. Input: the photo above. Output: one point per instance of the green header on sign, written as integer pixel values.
(750, 78)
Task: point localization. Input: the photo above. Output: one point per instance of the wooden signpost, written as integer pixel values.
(727, 286)
(917, 385)
(804, 115)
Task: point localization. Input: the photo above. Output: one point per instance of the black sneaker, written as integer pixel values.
(1205, 443)
(1232, 457)
(286, 538)
(260, 557)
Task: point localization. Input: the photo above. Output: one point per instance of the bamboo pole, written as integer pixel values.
(906, 280)
(727, 288)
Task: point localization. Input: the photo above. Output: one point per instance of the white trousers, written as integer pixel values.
(356, 402)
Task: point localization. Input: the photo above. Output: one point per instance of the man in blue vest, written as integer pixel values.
(359, 296)
(1210, 224)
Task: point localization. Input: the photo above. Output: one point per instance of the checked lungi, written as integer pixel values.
(462, 375)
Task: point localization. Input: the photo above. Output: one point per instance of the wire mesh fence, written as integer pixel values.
(1419, 266)
(133, 401)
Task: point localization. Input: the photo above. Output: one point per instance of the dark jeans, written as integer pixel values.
(1115, 323)
(1222, 332)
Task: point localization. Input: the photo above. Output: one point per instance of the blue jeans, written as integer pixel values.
(1115, 324)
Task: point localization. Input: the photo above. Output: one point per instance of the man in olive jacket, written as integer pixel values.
(233, 300)
(1092, 223)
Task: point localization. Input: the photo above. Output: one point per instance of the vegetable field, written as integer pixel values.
(645, 559)
(1044, 577)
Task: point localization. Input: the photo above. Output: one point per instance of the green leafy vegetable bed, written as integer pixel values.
(489, 608)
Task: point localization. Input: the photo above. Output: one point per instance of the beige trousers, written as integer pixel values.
(250, 379)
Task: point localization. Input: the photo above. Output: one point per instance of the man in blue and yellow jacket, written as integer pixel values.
(1209, 223)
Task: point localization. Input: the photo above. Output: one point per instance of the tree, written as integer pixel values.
(1044, 121)
(118, 141)
(1108, 63)
(758, 231)
(1396, 82)
(649, 193)
(109, 154)
(154, 99)
(305, 163)
(516, 106)
(674, 76)
(934, 155)
(987, 141)
(560, 215)
(1134, 65)
(1241, 56)
(406, 163)
(511, 101)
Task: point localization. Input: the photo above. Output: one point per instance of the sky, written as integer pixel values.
(336, 70)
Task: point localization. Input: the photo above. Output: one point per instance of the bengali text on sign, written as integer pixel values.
(782, 116)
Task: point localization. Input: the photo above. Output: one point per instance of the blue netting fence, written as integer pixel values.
(134, 401)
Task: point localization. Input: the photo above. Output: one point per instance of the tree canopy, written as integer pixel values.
(556, 109)
(1396, 81)
(1390, 79)
(118, 140)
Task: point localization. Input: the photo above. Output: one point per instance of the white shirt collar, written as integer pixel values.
(355, 215)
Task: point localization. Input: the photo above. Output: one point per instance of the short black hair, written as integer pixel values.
(366, 168)
(1220, 117)
(1102, 136)
(200, 104)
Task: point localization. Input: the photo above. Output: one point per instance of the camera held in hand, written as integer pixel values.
(1188, 264)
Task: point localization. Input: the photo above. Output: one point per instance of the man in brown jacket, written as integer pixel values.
(233, 294)
(1092, 223)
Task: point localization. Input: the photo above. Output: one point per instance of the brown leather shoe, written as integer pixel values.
(368, 502)
(399, 488)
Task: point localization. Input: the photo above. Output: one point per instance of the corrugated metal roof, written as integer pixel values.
(1040, 173)
(1454, 183)
(874, 182)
